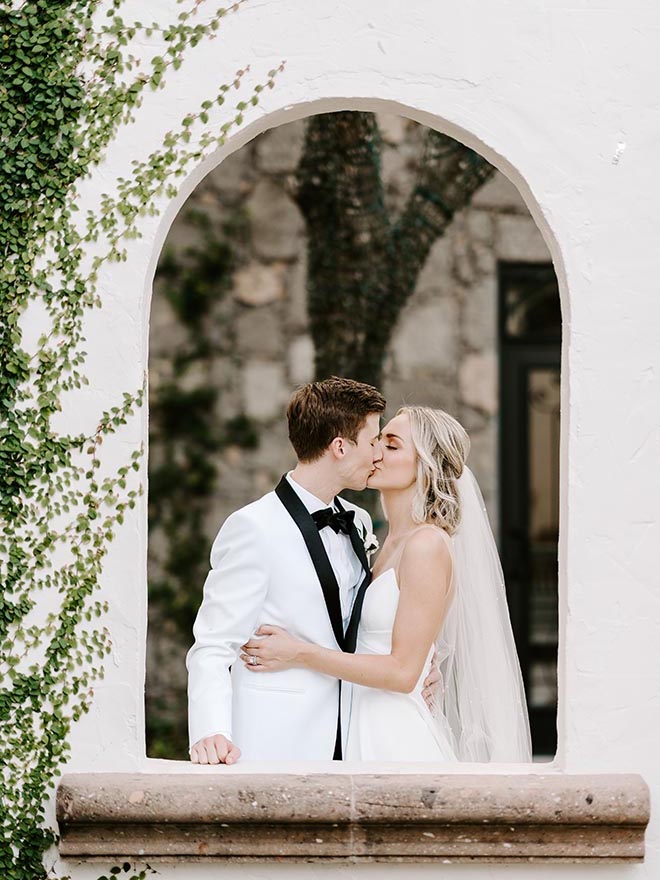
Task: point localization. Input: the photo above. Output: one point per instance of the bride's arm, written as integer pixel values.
(424, 579)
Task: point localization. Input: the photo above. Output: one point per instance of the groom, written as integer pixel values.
(295, 558)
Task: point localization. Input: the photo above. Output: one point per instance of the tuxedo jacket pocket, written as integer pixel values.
(272, 688)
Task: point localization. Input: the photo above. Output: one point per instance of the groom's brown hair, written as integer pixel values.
(335, 407)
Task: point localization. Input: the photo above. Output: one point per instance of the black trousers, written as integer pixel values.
(337, 754)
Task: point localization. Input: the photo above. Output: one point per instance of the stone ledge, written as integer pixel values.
(354, 818)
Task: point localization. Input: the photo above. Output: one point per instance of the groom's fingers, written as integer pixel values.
(433, 677)
(200, 752)
(433, 684)
(218, 750)
(214, 750)
(233, 754)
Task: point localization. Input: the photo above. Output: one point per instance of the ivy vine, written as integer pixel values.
(74, 73)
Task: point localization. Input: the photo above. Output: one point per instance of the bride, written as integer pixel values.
(436, 587)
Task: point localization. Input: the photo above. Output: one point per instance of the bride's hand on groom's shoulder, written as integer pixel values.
(271, 649)
(215, 749)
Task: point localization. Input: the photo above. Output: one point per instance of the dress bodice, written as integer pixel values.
(387, 725)
(379, 610)
(377, 621)
(381, 602)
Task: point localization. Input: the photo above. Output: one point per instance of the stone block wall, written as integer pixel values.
(444, 351)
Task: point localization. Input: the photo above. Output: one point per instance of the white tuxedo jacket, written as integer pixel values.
(262, 572)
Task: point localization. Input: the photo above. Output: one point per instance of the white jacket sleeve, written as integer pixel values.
(234, 593)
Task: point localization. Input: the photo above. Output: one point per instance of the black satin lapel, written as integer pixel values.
(356, 541)
(350, 639)
(302, 518)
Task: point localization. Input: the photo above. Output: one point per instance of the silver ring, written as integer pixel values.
(253, 661)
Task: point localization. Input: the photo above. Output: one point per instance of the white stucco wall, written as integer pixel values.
(564, 99)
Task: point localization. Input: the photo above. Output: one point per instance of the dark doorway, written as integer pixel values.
(530, 357)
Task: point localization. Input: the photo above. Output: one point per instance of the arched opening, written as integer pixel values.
(230, 338)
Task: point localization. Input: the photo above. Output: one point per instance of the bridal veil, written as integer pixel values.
(483, 697)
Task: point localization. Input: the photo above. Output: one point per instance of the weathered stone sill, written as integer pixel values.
(354, 818)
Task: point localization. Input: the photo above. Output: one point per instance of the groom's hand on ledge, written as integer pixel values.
(215, 750)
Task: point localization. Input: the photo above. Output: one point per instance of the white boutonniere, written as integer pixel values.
(369, 540)
(370, 544)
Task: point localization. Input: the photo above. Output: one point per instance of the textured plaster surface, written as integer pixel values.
(563, 99)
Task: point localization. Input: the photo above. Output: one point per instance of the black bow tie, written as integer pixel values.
(341, 521)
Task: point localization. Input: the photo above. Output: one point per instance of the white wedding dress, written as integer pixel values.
(385, 725)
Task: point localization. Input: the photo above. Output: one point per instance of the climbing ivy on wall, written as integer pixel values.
(73, 73)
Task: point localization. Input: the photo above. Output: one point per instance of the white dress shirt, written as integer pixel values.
(345, 563)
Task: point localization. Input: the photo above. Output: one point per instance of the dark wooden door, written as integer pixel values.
(530, 353)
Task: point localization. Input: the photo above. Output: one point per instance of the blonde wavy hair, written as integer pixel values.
(442, 446)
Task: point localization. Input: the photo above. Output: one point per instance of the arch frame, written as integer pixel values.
(133, 306)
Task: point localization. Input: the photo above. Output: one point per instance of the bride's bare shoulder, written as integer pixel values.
(426, 561)
(427, 544)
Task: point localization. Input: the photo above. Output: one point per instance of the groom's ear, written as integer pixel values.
(338, 447)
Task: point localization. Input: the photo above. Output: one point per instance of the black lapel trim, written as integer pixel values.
(350, 639)
(303, 519)
(356, 541)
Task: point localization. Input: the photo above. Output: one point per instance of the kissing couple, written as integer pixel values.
(303, 652)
